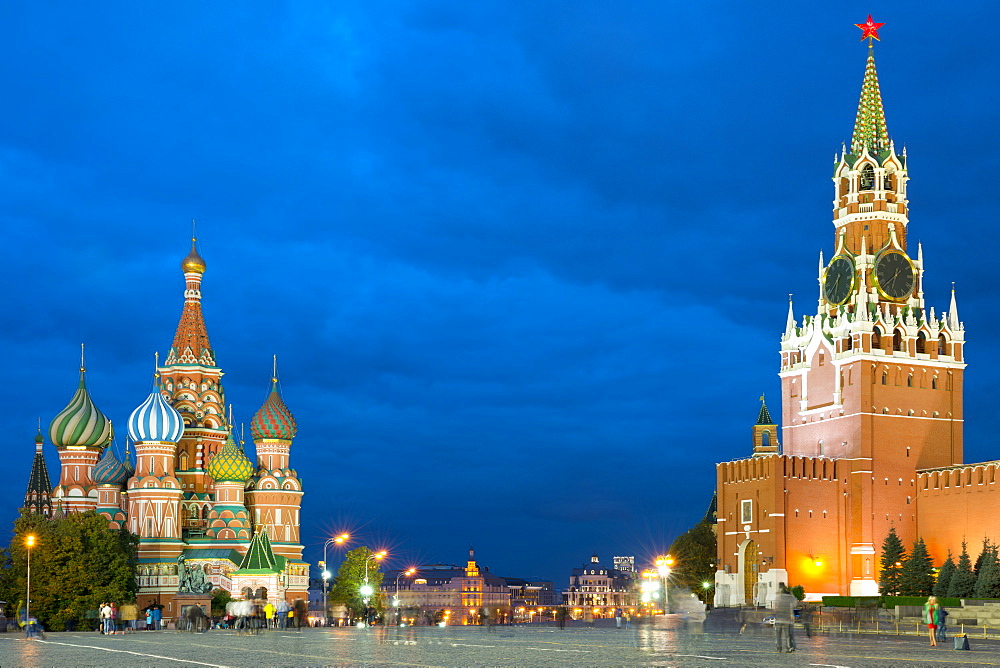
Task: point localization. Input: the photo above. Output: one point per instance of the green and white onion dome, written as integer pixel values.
(156, 420)
(230, 464)
(273, 420)
(80, 424)
(110, 471)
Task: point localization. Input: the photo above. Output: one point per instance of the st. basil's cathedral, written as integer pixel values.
(206, 516)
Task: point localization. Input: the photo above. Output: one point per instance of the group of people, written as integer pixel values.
(253, 615)
(934, 617)
(115, 620)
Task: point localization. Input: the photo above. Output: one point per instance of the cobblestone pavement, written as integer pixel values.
(535, 646)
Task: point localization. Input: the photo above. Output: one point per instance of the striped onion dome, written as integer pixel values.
(155, 420)
(230, 464)
(109, 471)
(80, 423)
(273, 420)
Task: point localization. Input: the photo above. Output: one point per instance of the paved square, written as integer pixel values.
(537, 645)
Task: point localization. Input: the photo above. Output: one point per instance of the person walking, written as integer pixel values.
(157, 616)
(784, 619)
(931, 609)
(282, 612)
(269, 611)
(618, 618)
(942, 626)
(129, 613)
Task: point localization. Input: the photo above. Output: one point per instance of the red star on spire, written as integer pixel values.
(869, 29)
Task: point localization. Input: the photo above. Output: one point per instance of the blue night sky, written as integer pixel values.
(525, 265)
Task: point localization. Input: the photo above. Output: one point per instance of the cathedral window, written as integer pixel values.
(867, 177)
(942, 345)
(877, 338)
(897, 340)
(921, 343)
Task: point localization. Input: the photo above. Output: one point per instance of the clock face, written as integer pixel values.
(838, 281)
(894, 275)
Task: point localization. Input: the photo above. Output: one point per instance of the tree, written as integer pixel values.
(351, 577)
(963, 582)
(891, 562)
(916, 578)
(694, 554)
(77, 563)
(982, 554)
(944, 576)
(220, 599)
(988, 580)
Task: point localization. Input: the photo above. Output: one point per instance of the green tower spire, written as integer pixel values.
(869, 126)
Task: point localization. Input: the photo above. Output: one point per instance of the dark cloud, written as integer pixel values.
(524, 267)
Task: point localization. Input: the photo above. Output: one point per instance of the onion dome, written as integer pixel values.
(80, 424)
(155, 420)
(193, 263)
(230, 464)
(109, 471)
(273, 420)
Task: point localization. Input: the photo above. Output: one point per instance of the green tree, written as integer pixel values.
(891, 563)
(220, 598)
(694, 554)
(360, 565)
(963, 582)
(916, 578)
(983, 554)
(77, 563)
(944, 576)
(988, 580)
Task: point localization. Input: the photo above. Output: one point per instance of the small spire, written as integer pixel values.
(764, 416)
(790, 321)
(83, 361)
(953, 310)
(870, 130)
(274, 370)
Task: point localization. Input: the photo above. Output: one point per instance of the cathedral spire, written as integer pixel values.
(37, 499)
(191, 344)
(790, 321)
(953, 310)
(869, 126)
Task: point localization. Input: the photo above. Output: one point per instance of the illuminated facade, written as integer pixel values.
(206, 515)
(871, 413)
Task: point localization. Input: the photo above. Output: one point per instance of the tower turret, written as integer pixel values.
(80, 432)
(38, 497)
(230, 469)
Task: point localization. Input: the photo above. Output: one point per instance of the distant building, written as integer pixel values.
(624, 564)
(448, 593)
(595, 585)
(530, 593)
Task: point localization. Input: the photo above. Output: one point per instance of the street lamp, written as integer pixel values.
(29, 542)
(663, 564)
(339, 540)
(395, 599)
(366, 589)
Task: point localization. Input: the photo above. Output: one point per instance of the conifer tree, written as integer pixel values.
(988, 580)
(916, 578)
(945, 574)
(982, 555)
(963, 582)
(891, 561)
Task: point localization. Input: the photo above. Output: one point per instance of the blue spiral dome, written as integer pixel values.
(109, 471)
(155, 420)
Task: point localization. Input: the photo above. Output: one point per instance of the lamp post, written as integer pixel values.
(366, 589)
(395, 599)
(339, 540)
(29, 542)
(663, 564)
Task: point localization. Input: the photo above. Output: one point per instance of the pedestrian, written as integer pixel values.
(282, 613)
(618, 618)
(114, 619)
(105, 617)
(628, 619)
(300, 610)
(784, 619)
(931, 609)
(806, 618)
(269, 611)
(129, 612)
(942, 626)
(157, 616)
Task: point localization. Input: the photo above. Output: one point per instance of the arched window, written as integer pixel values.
(909, 383)
(921, 342)
(877, 338)
(849, 343)
(765, 439)
(867, 177)
(942, 345)
(934, 386)
(897, 340)
(885, 377)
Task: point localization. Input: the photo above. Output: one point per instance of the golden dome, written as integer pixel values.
(193, 262)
